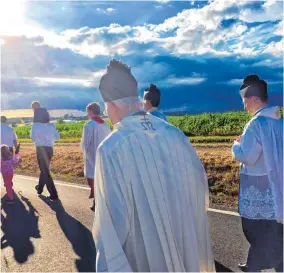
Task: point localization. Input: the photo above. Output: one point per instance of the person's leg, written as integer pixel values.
(93, 207)
(251, 229)
(41, 163)
(8, 182)
(91, 185)
(50, 183)
(275, 240)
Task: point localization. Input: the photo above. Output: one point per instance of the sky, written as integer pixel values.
(196, 52)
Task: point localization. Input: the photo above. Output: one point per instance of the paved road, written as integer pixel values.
(37, 235)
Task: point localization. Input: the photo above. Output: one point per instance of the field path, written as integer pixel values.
(37, 236)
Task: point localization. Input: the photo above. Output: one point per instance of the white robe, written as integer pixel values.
(151, 193)
(262, 139)
(93, 134)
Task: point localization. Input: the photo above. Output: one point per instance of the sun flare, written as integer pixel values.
(12, 17)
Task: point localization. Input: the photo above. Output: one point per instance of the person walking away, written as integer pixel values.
(94, 132)
(151, 189)
(152, 97)
(40, 114)
(44, 135)
(8, 135)
(8, 164)
(260, 151)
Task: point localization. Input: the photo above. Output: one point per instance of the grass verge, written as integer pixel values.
(193, 139)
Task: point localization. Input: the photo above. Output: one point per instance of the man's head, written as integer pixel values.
(119, 91)
(152, 97)
(35, 105)
(3, 119)
(254, 93)
(93, 110)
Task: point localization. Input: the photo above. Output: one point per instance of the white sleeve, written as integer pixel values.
(15, 137)
(111, 224)
(86, 138)
(198, 192)
(248, 150)
(56, 135)
(33, 133)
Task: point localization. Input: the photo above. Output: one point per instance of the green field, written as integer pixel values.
(217, 127)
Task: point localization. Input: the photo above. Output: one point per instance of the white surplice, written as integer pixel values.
(261, 154)
(93, 134)
(151, 193)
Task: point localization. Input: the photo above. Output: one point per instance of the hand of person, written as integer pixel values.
(17, 151)
(206, 207)
(238, 139)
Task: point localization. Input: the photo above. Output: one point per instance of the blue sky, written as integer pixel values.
(196, 52)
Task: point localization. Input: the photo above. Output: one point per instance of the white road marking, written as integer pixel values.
(86, 188)
(55, 182)
(224, 212)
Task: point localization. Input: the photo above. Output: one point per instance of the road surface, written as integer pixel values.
(38, 235)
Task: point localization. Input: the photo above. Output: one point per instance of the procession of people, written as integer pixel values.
(149, 187)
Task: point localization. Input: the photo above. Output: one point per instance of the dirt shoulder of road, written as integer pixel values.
(222, 170)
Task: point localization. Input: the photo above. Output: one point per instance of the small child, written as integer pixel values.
(8, 164)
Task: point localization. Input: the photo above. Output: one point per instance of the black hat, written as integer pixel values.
(152, 94)
(118, 82)
(255, 89)
(249, 80)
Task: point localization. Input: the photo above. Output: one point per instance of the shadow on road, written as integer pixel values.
(79, 236)
(19, 225)
(221, 268)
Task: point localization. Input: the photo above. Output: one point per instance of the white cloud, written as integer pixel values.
(275, 48)
(195, 31)
(105, 11)
(269, 62)
(50, 81)
(235, 82)
(172, 80)
(272, 10)
(279, 29)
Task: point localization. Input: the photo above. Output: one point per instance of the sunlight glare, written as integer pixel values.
(12, 17)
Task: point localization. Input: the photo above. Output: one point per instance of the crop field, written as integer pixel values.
(219, 127)
(211, 134)
(221, 169)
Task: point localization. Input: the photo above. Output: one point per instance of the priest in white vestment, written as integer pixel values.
(260, 151)
(94, 132)
(151, 189)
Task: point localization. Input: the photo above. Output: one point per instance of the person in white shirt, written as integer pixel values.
(8, 135)
(94, 132)
(44, 135)
(151, 189)
(260, 151)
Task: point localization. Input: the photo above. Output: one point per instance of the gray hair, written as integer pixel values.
(35, 104)
(131, 104)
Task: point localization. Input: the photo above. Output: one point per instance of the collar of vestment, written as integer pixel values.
(154, 109)
(268, 111)
(140, 121)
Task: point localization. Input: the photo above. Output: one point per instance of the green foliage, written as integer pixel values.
(66, 130)
(60, 121)
(217, 127)
(218, 124)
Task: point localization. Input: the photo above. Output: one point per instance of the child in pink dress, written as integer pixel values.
(8, 164)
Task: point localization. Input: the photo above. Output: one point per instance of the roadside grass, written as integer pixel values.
(193, 139)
